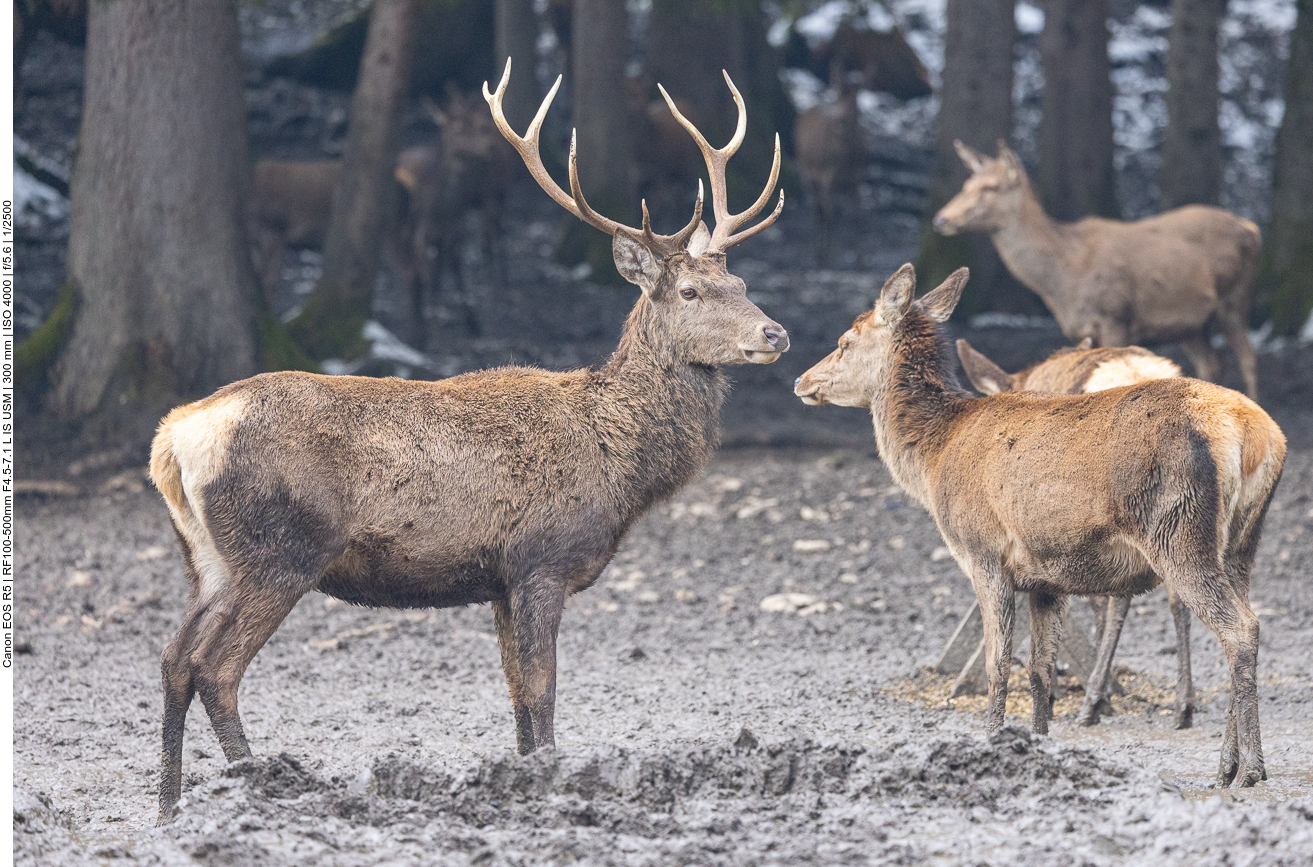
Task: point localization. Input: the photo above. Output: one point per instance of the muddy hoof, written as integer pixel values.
(1185, 718)
(1249, 778)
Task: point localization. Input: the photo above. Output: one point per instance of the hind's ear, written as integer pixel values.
(896, 296)
(939, 304)
(985, 375)
(974, 160)
(1087, 343)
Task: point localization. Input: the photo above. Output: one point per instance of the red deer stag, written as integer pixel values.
(1162, 278)
(1092, 494)
(512, 486)
(1081, 370)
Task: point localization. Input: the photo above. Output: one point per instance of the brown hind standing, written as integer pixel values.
(511, 486)
(1081, 370)
(1163, 278)
(1053, 495)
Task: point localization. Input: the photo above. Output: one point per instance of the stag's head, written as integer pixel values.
(701, 311)
(863, 365)
(990, 198)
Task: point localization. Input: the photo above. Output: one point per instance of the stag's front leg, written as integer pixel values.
(529, 625)
(1096, 689)
(1046, 612)
(997, 610)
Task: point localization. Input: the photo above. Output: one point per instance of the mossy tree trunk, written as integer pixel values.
(1288, 248)
(157, 250)
(1192, 145)
(1075, 164)
(334, 314)
(975, 106)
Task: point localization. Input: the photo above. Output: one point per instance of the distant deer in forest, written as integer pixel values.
(291, 201)
(831, 155)
(468, 168)
(1081, 370)
(1163, 278)
(1100, 494)
(512, 486)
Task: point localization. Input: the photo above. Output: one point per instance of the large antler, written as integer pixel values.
(723, 237)
(574, 202)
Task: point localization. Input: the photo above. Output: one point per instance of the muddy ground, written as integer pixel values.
(693, 726)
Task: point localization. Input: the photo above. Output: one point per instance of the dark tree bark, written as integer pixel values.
(156, 245)
(1075, 167)
(601, 33)
(975, 106)
(1288, 249)
(517, 38)
(1192, 146)
(334, 314)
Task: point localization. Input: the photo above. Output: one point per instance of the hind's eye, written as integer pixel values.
(688, 294)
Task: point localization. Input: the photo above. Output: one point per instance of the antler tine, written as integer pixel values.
(527, 146)
(723, 236)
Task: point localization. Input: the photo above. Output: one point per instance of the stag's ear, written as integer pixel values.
(896, 296)
(697, 245)
(985, 375)
(1087, 343)
(975, 161)
(635, 262)
(939, 304)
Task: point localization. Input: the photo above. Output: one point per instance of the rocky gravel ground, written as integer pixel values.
(745, 685)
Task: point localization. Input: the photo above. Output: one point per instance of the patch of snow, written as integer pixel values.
(35, 203)
(1030, 19)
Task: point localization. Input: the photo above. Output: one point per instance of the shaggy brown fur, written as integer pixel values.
(1093, 494)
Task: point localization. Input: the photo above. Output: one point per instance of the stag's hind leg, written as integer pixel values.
(1046, 612)
(527, 624)
(1096, 690)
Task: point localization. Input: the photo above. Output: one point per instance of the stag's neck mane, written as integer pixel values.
(1036, 248)
(916, 401)
(657, 416)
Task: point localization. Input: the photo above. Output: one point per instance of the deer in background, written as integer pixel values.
(1081, 370)
(512, 486)
(1163, 278)
(831, 155)
(291, 201)
(1100, 494)
(468, 168)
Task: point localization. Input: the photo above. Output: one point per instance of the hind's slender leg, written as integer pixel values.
(997, 599)
(1046, 612)
(1184, 680)
(510, 660)
(1203, 357)
(1096, 689)
(1236, 329)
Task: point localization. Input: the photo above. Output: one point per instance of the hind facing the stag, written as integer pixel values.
(1093, 494)
(511, 486)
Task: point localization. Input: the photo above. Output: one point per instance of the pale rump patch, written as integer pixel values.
(188, 453)
(1129, 370)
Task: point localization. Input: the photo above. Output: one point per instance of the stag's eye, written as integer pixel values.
(688, 294)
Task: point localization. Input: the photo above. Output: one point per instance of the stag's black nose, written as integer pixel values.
(772, 335)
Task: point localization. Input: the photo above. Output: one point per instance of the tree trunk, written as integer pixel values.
(156, 244)
(1192, 146)
(517, 37)
(975, 106)
(1076, 175)
(331, 322)
(1288, 251)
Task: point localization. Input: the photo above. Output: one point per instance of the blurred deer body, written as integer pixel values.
(1163, 278)
(291, 201)
(1058, 495)
(467, 169)
(512, 486)
(1082, 370)
(831, 156)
